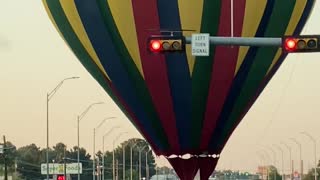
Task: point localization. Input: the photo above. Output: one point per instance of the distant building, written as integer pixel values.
(164, 177)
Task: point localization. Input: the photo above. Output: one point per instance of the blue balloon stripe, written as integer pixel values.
(178, 73)
(107, 53)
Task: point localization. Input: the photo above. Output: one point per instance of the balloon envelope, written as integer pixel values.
(180, 103)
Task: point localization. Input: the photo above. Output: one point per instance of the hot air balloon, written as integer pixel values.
(181, 104)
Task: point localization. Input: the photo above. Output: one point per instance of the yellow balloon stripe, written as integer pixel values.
(123, 16)
(253, 14)
(190, 22)
(74, 19)
(295, 17)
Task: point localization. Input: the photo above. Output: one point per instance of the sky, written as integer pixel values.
(34, 59)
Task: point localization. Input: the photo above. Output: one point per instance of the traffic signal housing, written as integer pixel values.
(166, 43)
(300, 44)
(61, 177)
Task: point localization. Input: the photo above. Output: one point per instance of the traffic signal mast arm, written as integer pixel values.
(242, 41)
(200, 43)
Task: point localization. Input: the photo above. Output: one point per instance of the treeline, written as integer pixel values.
(25, 162)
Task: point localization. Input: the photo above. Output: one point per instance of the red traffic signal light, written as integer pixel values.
(61, 177)
(306, 43)
(166, 44)
(290, 44)
(155, 45)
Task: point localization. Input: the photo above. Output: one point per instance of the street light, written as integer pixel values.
(264, 161)
(147, 166)
(282, 159)
(300, 150)
(49, 96)
(132, 146)
(94, 142)
(113, 152)
(274, 161)
(315, 153)
(140, 150)
(78, 131)
(124, 159)
(291, 163)
(113, 128)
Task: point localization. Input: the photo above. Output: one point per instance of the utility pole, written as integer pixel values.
(5, 158)
(65, 165)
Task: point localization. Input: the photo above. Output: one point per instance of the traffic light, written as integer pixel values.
(166, 43)
(303, 43)
(61, 177)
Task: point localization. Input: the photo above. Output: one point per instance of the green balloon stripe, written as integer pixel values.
(127, 61)
(277, 26)
(201, 75)
(81, 53)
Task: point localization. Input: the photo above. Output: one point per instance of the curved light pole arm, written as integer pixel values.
(290, 155)
(113, 158)
(51, 94)
(105, 135)
(94, 133)
(79, 117)
(110, 131)
(103, 121)
(88, 108)
(260, 155)
(280, 149)
(300, 154)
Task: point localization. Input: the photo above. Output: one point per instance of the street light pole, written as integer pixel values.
(79, 118)
(282, 160)
(300, 154)
(124, 160)
(291, 163)
(94, 157)
(131, 147)
(315, 153)
(270, 159)
(49, 96)
(264, 163)
(274, 159)
(115, 127)
(113, 158)
(94, 141)
(140, 150)
(147, 166)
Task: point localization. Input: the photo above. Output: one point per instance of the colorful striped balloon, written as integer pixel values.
(180, 104)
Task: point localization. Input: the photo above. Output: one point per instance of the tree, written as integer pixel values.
(84, 160)
(60, 151)
(272, 172)
(310, 175)
(10, 155)
(30, 157)
(28, 162)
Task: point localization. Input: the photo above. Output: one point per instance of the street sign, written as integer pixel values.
(55, 168)
(200, 44)
(1, 148)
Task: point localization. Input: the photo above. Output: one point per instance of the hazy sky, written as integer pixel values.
(34, 59)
